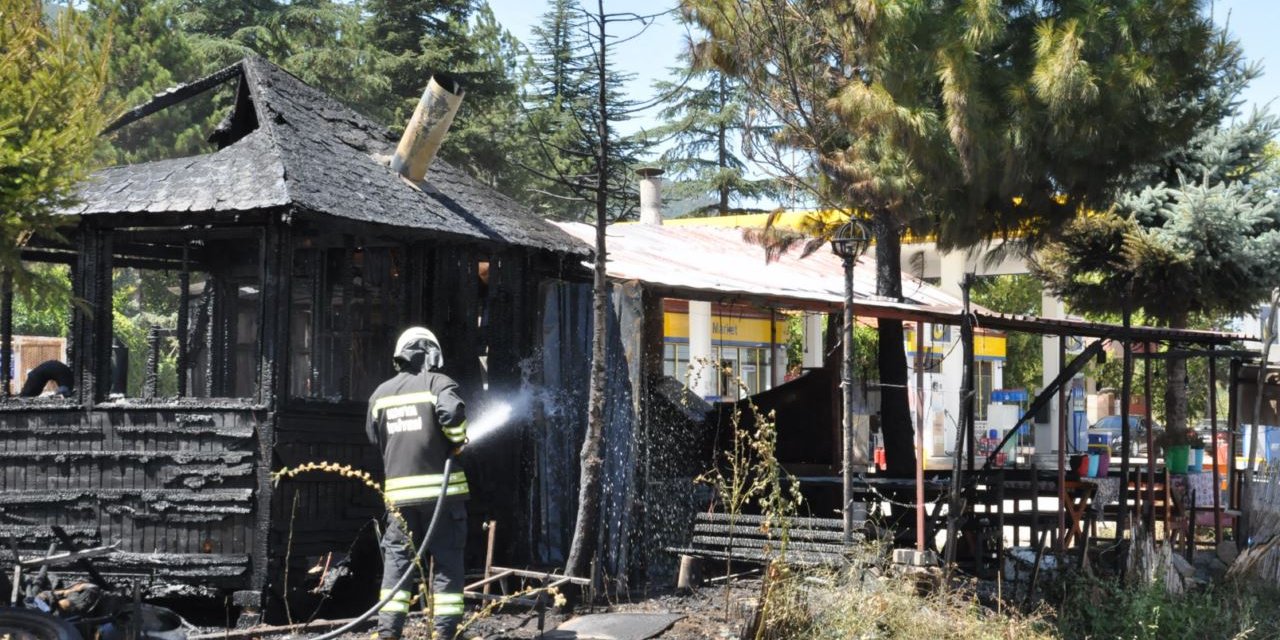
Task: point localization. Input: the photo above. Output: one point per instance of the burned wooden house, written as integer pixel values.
(290, 258)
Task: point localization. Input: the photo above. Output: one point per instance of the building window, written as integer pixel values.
(982, 379)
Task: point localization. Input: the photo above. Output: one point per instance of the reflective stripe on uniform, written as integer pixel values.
(398, 604)
(403, 399)
(424, 487)
(447, 604)
(457, 433)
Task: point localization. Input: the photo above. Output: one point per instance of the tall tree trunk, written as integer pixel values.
(582, 548)
(895, 412)
(722, 156)
(1175, 387)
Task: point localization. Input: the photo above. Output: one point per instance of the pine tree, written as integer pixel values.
(150, 53)
(706, 121)
(412, 39)
(223, 31)
(968, 120)
(1204, 245)
(563, 116)
(323, 43)
(51, 110)
(485, 138)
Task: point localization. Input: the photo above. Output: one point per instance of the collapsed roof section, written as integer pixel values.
(289, 144)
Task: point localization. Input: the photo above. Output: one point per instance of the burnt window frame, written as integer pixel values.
(318, 241)
(108, 246)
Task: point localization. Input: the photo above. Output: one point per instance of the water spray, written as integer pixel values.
(496, 416)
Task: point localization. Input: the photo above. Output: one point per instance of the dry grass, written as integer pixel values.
(873, 600)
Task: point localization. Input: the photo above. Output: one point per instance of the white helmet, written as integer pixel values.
(410, 344)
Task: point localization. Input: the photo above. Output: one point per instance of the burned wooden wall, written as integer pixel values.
(175, 487)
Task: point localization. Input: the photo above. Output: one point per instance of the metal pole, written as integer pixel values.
(919, 436)
(1063, 396)
(846, 385)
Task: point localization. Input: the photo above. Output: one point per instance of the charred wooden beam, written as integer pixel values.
(6, 333)
(173, 96)
(184, 302)
(150, 383)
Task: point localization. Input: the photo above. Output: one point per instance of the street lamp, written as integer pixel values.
(849, 242)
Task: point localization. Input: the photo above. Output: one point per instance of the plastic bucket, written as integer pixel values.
(1104, 462)
(1080, 464)
(1175, 458)
(1195, 463)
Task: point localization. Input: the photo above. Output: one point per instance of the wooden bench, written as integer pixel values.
(748, 539)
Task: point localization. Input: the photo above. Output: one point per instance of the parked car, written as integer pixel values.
(1111, 425)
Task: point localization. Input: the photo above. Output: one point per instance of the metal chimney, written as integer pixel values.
(427, 127)
(650, 195)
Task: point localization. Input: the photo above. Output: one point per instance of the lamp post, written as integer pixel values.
(849, 242)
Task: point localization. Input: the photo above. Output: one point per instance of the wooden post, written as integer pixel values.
(1151, 448)
(919, 436)
(6, 334)
(1213, 444)
(1233, 424)
(184, 302)
(1126, 385)
(492, 528)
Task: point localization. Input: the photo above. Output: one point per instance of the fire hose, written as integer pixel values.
(422, 548)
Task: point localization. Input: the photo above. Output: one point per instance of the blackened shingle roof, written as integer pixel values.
(315, 153)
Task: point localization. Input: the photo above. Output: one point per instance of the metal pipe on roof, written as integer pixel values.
(428, 126)
(650, 195)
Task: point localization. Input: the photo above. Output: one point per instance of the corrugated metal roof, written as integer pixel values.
(717, 262)
(722, 262)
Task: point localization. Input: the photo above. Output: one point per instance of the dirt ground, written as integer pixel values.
(704, 612)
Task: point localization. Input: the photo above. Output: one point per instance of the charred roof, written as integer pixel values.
(287, 143)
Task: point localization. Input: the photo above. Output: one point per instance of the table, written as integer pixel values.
(1106, 491)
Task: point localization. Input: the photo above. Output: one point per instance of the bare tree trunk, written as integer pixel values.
(722, 156)
(1175, 387)
(582, 548)
(895, 411)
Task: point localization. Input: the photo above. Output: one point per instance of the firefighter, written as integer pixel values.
(416, 419)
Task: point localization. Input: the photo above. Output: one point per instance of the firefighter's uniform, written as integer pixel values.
(417, 419)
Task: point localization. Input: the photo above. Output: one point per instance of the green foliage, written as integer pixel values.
(1105, 608)
(44, 307)
(150, 53)
(1194, 382)
(323, 43)
(52, 78)
(140, 300)
(1024, 366)
(1206, 245)
(973, 119)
